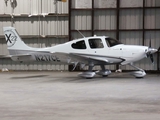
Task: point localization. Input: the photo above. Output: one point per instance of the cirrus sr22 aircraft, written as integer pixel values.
(87, 51)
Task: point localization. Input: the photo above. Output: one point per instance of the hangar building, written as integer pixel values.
(43, 23)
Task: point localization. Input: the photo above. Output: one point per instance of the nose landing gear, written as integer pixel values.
(138, 74)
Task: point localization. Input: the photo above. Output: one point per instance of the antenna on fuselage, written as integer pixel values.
(80, 33)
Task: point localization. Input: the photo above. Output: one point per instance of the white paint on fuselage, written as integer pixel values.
(130, 53)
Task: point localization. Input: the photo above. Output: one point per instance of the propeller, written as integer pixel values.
(150, 52)
(151, 55)
(151, 58)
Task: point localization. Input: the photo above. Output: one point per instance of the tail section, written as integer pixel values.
(15, 44)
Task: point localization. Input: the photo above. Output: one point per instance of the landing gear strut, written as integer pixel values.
(90, 74)
(138, 74)
(104, 72)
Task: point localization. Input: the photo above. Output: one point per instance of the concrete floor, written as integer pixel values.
(64, 96)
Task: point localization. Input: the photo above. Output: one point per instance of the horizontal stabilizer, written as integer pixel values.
(5, 56)
(22, 58)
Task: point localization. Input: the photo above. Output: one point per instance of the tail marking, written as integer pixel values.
(11, 38)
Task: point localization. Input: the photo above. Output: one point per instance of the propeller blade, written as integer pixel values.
(150, 54)
(150, 43)
(151, 58)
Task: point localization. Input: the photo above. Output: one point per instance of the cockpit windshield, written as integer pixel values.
(112, 42)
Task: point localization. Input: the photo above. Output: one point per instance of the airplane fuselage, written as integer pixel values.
(127, 53)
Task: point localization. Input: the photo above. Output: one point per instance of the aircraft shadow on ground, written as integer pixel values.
(27, 77)
(74, 79)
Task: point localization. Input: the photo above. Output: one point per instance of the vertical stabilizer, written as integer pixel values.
(14, 42)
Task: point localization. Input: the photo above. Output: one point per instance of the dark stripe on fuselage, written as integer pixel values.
(46, 57)
(38, 55)
(89, 55)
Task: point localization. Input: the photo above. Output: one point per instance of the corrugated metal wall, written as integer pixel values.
(33, 7)
(131, 19)
(29, 20)
(82, 20)
(105, 20)
(131, 29)
(36, 27)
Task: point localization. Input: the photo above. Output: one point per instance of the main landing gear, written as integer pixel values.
(90, 74)
(138, 74)
(104, 72)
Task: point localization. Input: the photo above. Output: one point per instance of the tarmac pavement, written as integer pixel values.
(64, 96)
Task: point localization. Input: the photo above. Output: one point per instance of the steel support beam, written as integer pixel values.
(92, 22)
(117, 28)
(143, 22)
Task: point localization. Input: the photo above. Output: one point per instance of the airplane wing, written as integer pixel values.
(98, 59)
(73, 58)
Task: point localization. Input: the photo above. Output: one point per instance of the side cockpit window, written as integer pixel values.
(112, 42)
(95, 43)
(79, 45)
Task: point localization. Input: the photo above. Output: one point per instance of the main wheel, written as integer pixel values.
(104, 75)
(139, 77)
(89, 77)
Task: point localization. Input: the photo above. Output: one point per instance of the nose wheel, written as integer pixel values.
(138, 74)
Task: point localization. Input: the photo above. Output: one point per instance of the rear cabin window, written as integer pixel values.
(95, 43)
(79, 45)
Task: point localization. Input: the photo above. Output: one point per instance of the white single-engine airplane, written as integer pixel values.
(87, 51)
